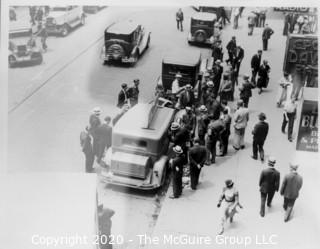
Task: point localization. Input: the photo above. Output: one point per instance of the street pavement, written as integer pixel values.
(50, 104)
(195, 213)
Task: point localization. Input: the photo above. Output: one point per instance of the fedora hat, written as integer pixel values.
(175, 126)
(271, 161)
(229, 183)
(177, 149)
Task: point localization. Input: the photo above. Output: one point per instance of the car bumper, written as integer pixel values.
(110, 178)
(27, 58)
(54, 30)
(206, 41)
(118, 58)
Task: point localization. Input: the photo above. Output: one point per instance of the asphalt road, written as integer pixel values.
(50, 104)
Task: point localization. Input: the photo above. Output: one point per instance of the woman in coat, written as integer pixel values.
(263, 76)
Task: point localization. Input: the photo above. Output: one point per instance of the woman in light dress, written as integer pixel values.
(285, 89)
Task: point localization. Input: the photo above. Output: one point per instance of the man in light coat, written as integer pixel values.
(241, 118)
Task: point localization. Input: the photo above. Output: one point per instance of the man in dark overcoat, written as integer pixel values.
(177, 163)
(260, 132)
(255, 65)
(269, 184)
(266, 35)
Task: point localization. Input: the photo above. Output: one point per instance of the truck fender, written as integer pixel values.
(159, 167)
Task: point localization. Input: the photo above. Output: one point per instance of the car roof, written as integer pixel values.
(134, 122)
(205, 16)
(52, 204)
(124, 27)
(185, 57)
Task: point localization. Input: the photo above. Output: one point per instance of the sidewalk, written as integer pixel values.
(195, 213)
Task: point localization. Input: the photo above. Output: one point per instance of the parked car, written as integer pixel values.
(138, 157)
(62, 19)
(23, 53)
(125, 42)
(202, 28)
(92, 9)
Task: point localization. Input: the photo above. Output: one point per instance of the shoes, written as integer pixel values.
(221, 231)
(213, 161)
(290, 139)
(231, 219)
(269, 205)
(262, 214)
(260, 91)
(242, 147)
(283, 131)
(253, 157)
(207, 163)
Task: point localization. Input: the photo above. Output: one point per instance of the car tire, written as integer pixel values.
(11, 61)
(82, 20)
(65, 30)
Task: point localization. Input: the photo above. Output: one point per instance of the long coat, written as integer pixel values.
(184, 100)
(260, 131)
(255, 62)
(291, 185)
(269, 180)
(263, 74)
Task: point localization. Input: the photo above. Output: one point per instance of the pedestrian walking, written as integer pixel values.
(215, 129)
(290, 188)
(231, 48)
(197, 158)
(214, 108)
(289, 115)
(217, 71)
(266, 35)
(133, 92)
(245, 90)
(285, 89)
(263, 16)
(86, 145)
(225, 91)
(260, 132)
(104, 136)
(255, 65)
(222, 16)
(263, 76)
(189, 121)
(241, 118)
(95, 122)
(39, 14)
(43, 34)
(226, 119)
(236, 15)
(269, 184)
(231, 197)
(202, 124)
(177, 163)
(180, 136)
(251, 24)
(186, 97)
(217, 51)
(179, 19)
(123, 96)
(241, 10)
(217, 32)
(239, 55)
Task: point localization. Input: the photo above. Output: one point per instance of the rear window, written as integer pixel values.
(134, 143)
(195, 22)
(109, 36)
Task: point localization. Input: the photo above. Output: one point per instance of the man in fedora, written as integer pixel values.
(290, 188)
(176, 88)
(197, 158)
(203, 122)
(179, 136)
(177, 163)
(186, 98)
(95, 122)
(269, 184)
(245, 90)
(241, 118)
(260, 132)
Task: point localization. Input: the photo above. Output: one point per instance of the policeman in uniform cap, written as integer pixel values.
(177, 163)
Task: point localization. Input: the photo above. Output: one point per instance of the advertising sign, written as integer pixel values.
(301, 54)
(292, 9)
(307, 139)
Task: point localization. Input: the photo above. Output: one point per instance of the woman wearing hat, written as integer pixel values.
(177, 163)
(285, 88)
(231, 196)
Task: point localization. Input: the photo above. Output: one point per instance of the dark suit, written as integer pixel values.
(122, 98)
(266, 34)
(246, 93)
(85, 142)
(231, 47)
(263, 76)
(103, 133)
(94, 122)
(181, 137)
(269, 184)
(186, 99)
(217, 74)
(260, 132)
(238, 59)
(215, 129)
(290, 188)
(255, 65)
(197, 155)
(203, 122)
(177, 162)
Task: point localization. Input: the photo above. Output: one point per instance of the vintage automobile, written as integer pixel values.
(215, 10)
(138, 155)
(125, 42)
(23, 53)
(92, 9)
(62, 19)
(202, 28)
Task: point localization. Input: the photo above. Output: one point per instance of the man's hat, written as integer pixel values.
(240, 102)
(260, 51)
(175, 126)
(206, 74)
(262, 116)
(177, 149)
(136, 81)
(203, 108)
(178, 75)
(233, 37)
(188, 86)
(96, 110)
(188, 108)
(196, 140)
(210, 83)
(229, 183)
(124, 85)
(294, 166)
(271, 161)
(218, 61)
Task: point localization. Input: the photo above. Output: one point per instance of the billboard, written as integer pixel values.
(292, 9)
(301, 54)
(307, 139)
